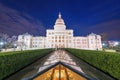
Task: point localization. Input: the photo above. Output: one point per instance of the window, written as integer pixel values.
(70, 41)
(55, 37)
(49, 33)
(66, 40)
(69, 33)
(40, 42)
(52, 45)
(55, 40)
(59, 40)
(59, 37)
(52, 41)
(22, 37)
(52, 37)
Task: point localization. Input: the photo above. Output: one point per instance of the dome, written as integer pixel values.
(59, 24)
(59, 20)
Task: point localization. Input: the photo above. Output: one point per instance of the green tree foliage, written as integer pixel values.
(106, 61)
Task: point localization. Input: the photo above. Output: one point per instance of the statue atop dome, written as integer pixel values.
(59, 15)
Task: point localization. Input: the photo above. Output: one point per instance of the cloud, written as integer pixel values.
(110, 28)
(13, 22)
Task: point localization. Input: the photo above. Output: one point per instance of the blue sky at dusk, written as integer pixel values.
(83, 16)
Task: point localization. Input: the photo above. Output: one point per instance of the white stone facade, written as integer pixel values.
(60, 37)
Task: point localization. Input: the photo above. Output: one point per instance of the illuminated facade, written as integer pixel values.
(60, 37)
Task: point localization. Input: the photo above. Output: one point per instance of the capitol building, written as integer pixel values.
(60, 37)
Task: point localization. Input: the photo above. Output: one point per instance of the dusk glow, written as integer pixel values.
(84, 17)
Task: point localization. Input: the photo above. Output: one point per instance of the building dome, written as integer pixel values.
(59, 24)
(59, 20)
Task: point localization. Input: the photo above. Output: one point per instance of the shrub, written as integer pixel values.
(10, 62)
(106, 61)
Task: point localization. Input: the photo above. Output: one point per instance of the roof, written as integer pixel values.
(59, 21)
(92, 34)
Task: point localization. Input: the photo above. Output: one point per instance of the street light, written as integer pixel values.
(116, 43)
(1, 43)
(103, 44)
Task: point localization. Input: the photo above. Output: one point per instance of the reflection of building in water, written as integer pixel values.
(60, 37)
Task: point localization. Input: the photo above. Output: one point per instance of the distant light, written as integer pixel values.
(1, 43)
(15, 44)
(103, 44)
(116, 43)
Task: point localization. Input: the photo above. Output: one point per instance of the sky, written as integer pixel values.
(83, 16)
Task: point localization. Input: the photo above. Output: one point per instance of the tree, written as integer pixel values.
(8, 41)
(104, 36)
(21, 45)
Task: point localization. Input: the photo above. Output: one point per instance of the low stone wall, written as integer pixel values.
(7, 50)
(18, 49)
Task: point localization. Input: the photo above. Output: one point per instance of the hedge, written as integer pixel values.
(108, 62)
(11, 62)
